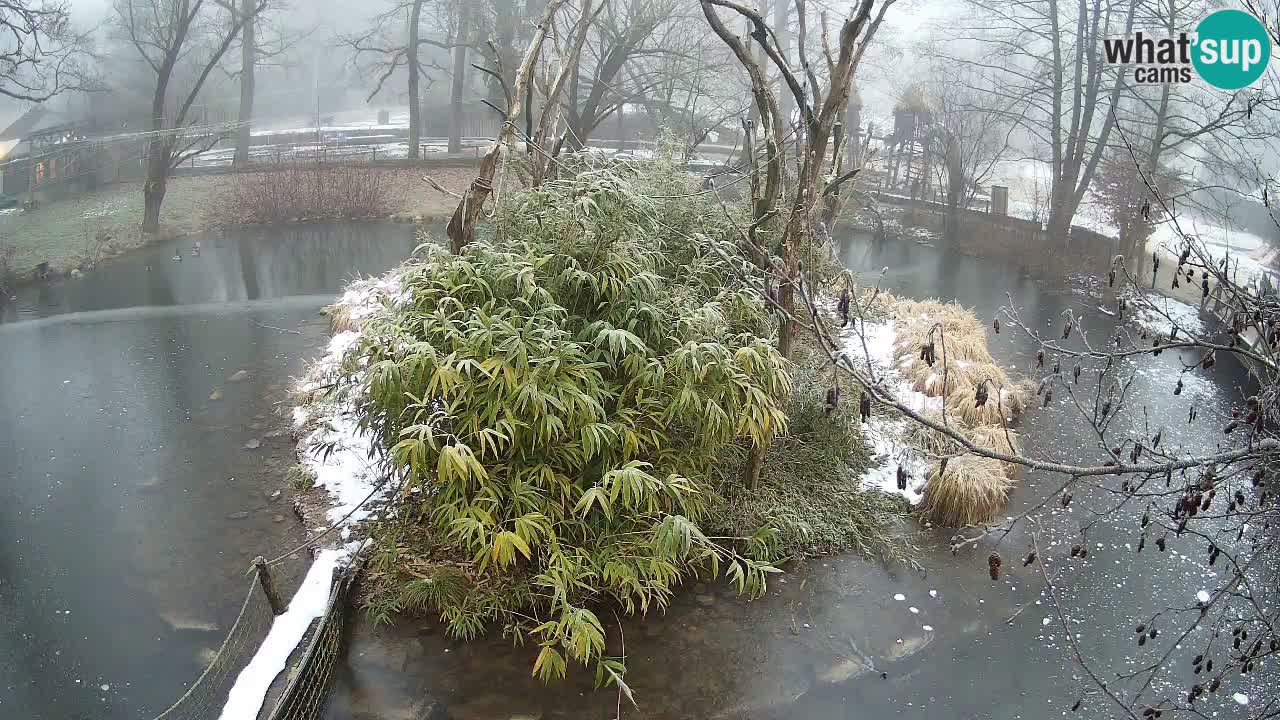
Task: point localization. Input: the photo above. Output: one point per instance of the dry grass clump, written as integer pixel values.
(961, 376)
(999, 439)
(966, 338)
(1012, 400)
(972, 489)
(341, 318)
(927, 439)
(992, 437)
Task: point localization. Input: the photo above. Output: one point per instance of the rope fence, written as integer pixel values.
(307, 679)
(207, 694)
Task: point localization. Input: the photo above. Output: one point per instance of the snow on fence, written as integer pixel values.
(265, 636)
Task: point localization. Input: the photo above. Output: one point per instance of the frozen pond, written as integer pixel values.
(843, 637)
(130, 504)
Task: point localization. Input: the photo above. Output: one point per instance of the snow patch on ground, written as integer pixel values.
(342, 460)
(1215, 241)
(310, 602)
(336, 451)
(102, 210)
(887, 434)
(347, 473)
(1160, 314)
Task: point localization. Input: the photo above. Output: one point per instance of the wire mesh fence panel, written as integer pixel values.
(205, 697)
(304, 694)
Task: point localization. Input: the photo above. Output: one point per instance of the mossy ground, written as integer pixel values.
(811, 486)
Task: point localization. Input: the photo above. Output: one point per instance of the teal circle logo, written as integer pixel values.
(1231, 49)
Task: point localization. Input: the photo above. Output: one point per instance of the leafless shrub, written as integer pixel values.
(307, 192)
(9, 276)
(97, 243)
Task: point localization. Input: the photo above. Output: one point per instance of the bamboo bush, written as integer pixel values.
(560, 401)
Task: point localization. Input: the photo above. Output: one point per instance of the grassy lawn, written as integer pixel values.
(77, 232)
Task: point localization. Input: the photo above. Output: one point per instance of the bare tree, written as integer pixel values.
(542, 151)
(248, 67)
(459, 80)
(1194, 125)
(970, 136)
(628, 55)
(415, 71)
(261, 40)
(813, 199)
(1045, 56)
(820, 110)
(393, 40)
(167, 33)
(41, 54)
(691, 99)
(462, 224)
(1041, 63)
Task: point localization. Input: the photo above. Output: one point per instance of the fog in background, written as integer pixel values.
(332, 62)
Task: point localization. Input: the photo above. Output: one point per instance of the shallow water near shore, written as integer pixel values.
(844, 637)
(142, 449)
(132, 506)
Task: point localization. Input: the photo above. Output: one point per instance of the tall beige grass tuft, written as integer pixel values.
(340, 318)
(973, 489)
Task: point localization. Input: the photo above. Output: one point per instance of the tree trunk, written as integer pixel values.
(157, 152)
(571, 112)
(853, 125)
(459, 82)
(951, 222)
(543, 162)
(755, 464)
(248, 61)
(415, 103)
(1162, 111)
(955, 195)
(156, 185)
(781, 29)
(756, 53)
(461, 229)
(1060, 214)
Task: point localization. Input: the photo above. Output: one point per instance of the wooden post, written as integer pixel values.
(268, 585)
